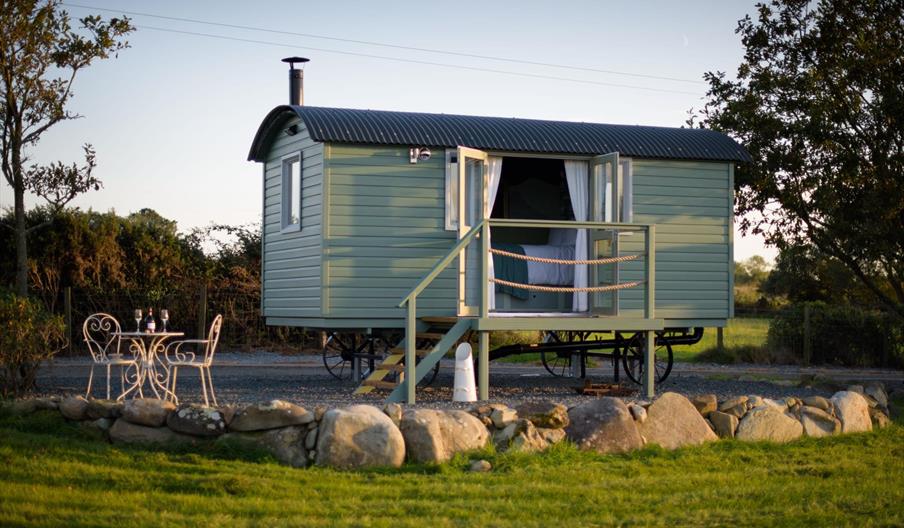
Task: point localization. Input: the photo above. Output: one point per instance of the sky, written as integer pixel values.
(173, 116)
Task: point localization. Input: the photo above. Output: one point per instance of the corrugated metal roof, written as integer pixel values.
(342, 125)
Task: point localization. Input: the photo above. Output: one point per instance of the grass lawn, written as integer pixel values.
(744, 338)
(55, 474)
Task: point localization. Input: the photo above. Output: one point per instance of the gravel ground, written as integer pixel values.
(261, 376)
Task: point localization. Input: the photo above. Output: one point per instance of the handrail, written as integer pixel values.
(441, 265)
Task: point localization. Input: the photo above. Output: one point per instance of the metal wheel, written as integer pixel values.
(339, 351)
(558, 363)
(632, 358)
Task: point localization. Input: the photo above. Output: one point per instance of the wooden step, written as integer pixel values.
(444, 321)
(430, 335)
(392, 367)
(421, 352)
(379, 384)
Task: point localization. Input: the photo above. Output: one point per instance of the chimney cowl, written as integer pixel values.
(296, 80)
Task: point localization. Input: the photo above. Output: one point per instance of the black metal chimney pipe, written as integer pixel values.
(296, 80)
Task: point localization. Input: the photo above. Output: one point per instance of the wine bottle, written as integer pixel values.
(149, 323)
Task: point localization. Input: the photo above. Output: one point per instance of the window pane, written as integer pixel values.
(295, 189)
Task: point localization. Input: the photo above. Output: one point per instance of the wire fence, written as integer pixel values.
(191, 312)
(806, 333)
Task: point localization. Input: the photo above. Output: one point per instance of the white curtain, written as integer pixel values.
(577, 173)
(493, 177)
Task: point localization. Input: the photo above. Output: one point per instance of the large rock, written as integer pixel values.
(74, 408)
(435, 436)
(878, 417)
(768, 423)
(359, 436)
(128, 433)
(502, 417)
(273, 415)
(147, 411)
(819, 402)
(103, 409)
(853, 411)
(818, 423)
(603, 425)
(724, 424)
(735, 406)
(196, 420)
(545, 414)
(705, 403)
(521, 435)
(287, 444)
(876, 390)
(673, 422)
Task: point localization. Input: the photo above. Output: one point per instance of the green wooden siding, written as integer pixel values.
(292, 260)
(384, 231)
(690, 203)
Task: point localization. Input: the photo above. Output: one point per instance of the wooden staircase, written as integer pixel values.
(439, 335)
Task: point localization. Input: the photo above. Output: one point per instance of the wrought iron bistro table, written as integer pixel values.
(146, 346)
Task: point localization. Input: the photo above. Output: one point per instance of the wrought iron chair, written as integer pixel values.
(176, 357)
(100, 335)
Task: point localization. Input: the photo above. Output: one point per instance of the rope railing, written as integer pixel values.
(564, 289)
(546, 260)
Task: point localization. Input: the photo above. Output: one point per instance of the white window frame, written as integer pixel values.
(452, 211)
(287, 190)
(626, 188)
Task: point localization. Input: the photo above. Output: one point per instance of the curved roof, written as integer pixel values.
(342, 125)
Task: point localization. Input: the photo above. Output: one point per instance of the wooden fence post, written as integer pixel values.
(720, 339)
(807, 343)
(67, 314)
(202, 312)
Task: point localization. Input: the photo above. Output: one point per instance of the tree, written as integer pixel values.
(40, 56)
(818, 101)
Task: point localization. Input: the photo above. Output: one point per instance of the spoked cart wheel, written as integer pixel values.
(558, 362)
(633, 356)
(342, 348)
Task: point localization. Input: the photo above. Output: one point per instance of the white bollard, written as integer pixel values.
(465, 390)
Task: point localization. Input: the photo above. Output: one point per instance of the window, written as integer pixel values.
(451, 189)
(291, 193)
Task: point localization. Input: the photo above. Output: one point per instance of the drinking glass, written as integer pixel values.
(138, 320)
(164, 317)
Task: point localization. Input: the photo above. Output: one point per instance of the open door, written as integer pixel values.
(603, 244)
(472, 199)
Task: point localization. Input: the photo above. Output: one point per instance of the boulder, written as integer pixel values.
(147, 411)
(756, 401)
(853, 411)
(856, 388)
(128, 433)
(768, 423)
(724, 424)
(637, 412)
(435, 436)
(310, 441)
(501, 417)
(818, 423)
(286, 445)
(546, 414)
(736, 406)
(359, 436)
(19, 407)
(394, 412)
(705, 403)
(819, 402)
(272, 415)
(552, 436)
(603, 425)
(673, 422)
(74, 407)
(319, 411)
(521, 435)
(876, 390)
(196, 420)
(480, 466)
(103, 409)
(878, 417)
(46, 404)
